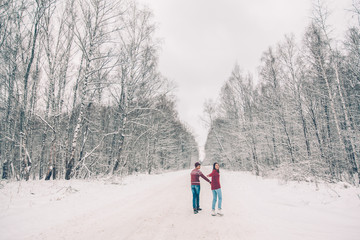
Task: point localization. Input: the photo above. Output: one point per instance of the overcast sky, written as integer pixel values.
(203, 39)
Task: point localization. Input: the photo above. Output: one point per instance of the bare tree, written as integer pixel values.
(92, 34)
(137, 64)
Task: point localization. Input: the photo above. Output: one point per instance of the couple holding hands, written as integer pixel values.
(215, 187)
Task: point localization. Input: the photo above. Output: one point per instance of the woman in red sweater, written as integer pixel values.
(216, 189)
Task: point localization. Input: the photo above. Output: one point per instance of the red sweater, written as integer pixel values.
(195, 177)
(215, 181)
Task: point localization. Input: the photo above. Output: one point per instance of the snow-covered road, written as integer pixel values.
(159, 207)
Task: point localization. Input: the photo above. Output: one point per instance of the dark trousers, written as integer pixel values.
(195, 189)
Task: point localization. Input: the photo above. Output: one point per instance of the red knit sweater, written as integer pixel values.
(215, 180)
(195, 177)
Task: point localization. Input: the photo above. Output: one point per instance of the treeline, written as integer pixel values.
(302, 120)
(81, 94)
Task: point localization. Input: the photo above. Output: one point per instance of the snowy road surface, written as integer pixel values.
(159, 207)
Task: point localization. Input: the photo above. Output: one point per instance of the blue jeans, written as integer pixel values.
(216, 193)
(195, 189)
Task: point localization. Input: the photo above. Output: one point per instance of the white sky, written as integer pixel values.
(203, 39)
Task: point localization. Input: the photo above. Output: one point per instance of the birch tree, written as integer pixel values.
(92, 34)
(137, 71)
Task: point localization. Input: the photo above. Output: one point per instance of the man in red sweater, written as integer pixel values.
(195, 186)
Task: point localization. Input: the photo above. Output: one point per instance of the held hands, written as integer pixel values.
(208, 176)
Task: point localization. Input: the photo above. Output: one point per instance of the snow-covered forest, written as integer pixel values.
(301, 120)
(83, 103)
(81, 94)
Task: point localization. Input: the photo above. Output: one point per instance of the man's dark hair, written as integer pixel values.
(197, 164)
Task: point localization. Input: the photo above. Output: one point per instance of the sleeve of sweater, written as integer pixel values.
(212, 173)
(203, 176)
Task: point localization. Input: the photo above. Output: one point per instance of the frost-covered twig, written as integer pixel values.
(46, 123)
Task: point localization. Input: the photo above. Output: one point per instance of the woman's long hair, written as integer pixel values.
(218, 170)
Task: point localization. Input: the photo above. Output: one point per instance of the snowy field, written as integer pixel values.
(159, 207)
